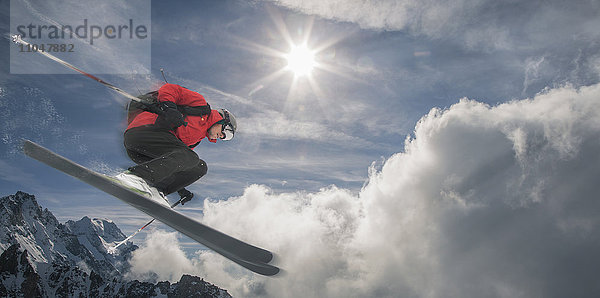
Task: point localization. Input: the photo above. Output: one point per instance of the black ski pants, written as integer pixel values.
(162, 159)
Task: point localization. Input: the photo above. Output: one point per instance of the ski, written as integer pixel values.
(250, 257)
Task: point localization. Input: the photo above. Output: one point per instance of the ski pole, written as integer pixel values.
(113, 249)
(152, 108)
(18, 40)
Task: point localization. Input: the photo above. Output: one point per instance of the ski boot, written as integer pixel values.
(138, 184)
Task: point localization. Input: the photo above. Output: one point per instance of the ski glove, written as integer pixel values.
(185, 195)
(171, 114)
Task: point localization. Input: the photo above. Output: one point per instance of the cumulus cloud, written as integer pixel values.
(484, 201)
(160, 258)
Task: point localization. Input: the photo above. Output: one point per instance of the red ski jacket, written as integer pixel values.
(197, 126)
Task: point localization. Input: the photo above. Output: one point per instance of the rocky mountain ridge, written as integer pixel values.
(41, 257)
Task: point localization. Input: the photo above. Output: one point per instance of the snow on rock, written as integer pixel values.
(97, 235)
(40, 257)
(46, 240)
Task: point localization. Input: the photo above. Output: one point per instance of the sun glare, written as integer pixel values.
(306, 63)
(301, 60)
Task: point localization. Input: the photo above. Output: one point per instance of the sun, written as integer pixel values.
(308, 60)
(301, 60)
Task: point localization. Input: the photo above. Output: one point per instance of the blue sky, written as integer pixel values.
(383, 66)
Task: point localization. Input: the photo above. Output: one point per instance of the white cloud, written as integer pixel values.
(273, 124)
(383, 14)
(532, 70)
(479, 24)
(482, 202)
(160, 254)
(432, 18)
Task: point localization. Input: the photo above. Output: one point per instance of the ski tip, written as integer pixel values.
(274, 258)
(26, 145)
(278, 272)
(25, 141)
(281, 273)
(256, 267)
(267, 270)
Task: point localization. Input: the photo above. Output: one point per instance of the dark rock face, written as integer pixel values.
(41, 257)
(14, 263)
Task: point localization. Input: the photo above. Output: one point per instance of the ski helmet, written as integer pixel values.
(229, 125)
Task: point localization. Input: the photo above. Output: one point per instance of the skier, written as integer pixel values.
(160, 139)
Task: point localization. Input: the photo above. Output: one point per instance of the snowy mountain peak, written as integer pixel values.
(23, 221)
(22, 209)
(104, 228)
(98, 235)
(39, 232)
(41, 257)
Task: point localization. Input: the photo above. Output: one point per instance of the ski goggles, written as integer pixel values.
(228, 132)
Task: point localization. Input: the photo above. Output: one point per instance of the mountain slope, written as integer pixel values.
(42, 257)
